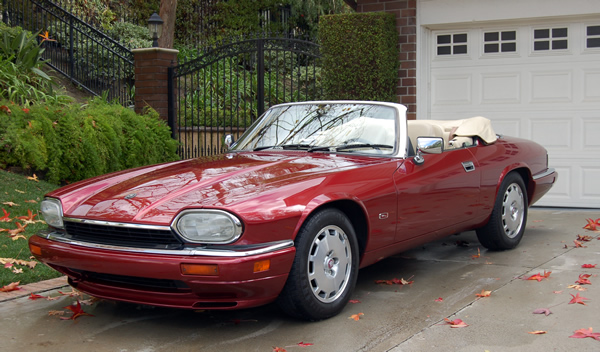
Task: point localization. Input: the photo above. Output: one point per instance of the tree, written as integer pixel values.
(168, 11)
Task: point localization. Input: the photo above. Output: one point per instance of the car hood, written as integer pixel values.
(155, 194)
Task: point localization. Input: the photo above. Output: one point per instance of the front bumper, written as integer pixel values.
(155, 277)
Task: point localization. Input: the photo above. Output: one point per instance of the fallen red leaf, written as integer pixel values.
(5, 218)
(354, 301)
(545, 311)
(34, 296)
(456, 323)
(539, 277)
(279, 349)
(20, 228)
(29, 218)
(584, 238)
(77, 311)
(584, 279)
(578, 244)
(5, 109)
(356, 316)
(592, 225)
(439, 299)
(589, 266)
(484, 293)
(583, 333)
(304, 344)
(537, 332)
(394, 281)
(13, 286)
(578, 299)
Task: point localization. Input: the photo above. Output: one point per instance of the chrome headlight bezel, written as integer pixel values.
(228, 222)
(52, 212)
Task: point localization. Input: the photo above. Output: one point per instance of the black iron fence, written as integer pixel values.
(224, 90)
(92, 60)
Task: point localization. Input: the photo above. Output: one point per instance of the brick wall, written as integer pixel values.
(151, 66)
(406, 22)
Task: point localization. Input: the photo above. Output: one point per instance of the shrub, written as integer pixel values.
(71, 143)
(360, 56)
(21, 77)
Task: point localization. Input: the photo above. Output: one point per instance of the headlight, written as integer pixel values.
(52, 212)
(208, 226)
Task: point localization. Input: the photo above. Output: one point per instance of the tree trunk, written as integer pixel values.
(168, 10)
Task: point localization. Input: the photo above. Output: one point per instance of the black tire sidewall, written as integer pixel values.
(297, 298)
(492, 235)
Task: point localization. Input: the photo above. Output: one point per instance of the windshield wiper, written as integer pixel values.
(284, 147)
(351, 146)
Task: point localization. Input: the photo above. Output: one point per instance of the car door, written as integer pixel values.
(441, 192)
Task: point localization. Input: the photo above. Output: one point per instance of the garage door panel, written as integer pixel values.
(551, 87)
(591, 135)
(452, 90)
(501, 88)
(590, 189)
(553, 134)
(591, 86)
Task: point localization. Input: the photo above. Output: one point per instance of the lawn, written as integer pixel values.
(20, 198)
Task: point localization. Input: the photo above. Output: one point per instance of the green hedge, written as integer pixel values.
(71, 143)
(361, 56)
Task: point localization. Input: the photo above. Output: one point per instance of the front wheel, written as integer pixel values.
(507, 223)
(324, 271)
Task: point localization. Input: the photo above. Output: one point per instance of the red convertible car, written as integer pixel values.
(311, 193)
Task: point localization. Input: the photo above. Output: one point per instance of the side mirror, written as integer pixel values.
(228, 140)
(428, 145)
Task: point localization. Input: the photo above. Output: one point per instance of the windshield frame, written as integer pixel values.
(401, 142)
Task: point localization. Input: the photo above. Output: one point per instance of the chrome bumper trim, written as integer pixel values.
(118, 224)
(548, 172)
(241, 251)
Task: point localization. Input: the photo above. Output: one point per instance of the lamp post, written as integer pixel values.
(155, 24)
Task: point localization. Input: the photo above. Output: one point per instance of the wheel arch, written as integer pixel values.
(525, 173)
(355, 213)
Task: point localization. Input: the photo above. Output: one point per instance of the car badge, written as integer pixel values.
(130, 195)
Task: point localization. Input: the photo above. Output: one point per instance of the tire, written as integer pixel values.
(324, 271)
(507, 223)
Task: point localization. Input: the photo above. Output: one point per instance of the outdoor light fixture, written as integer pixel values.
(155, 24)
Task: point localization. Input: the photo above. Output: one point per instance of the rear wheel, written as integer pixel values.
(507, 223)
(324, 271)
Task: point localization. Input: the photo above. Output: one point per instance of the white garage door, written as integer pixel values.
(539, 82)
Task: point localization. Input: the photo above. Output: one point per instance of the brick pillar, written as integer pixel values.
(151, 83)
(406, 22)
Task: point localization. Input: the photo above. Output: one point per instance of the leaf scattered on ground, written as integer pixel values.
(77, 311)
(584, 279)
(539, 277)
(545, 311)
(456, 323)
(356, 317)
(537, 332)
(583, 333)
(578, 299)
(589, 266)
(13, 286)
(484, 293)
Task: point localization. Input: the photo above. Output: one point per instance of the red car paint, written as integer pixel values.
(394, 203)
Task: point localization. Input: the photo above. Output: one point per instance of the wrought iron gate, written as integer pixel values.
(227, 88)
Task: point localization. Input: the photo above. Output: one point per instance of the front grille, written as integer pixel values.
(137, 237)
(134, 282)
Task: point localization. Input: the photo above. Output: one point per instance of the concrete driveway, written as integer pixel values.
(395, 317)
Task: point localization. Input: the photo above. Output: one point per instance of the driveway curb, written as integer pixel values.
(35, 287)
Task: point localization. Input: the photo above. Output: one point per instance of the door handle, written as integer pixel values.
(469, 166)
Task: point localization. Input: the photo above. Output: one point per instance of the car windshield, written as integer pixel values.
(347, 127)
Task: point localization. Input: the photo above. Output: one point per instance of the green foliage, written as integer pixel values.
(21, 77)
(360, 53)
(71, 143)
(130, 35)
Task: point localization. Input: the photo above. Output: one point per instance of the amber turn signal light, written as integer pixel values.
(200, 269)
(35, 249)
(262, 265)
